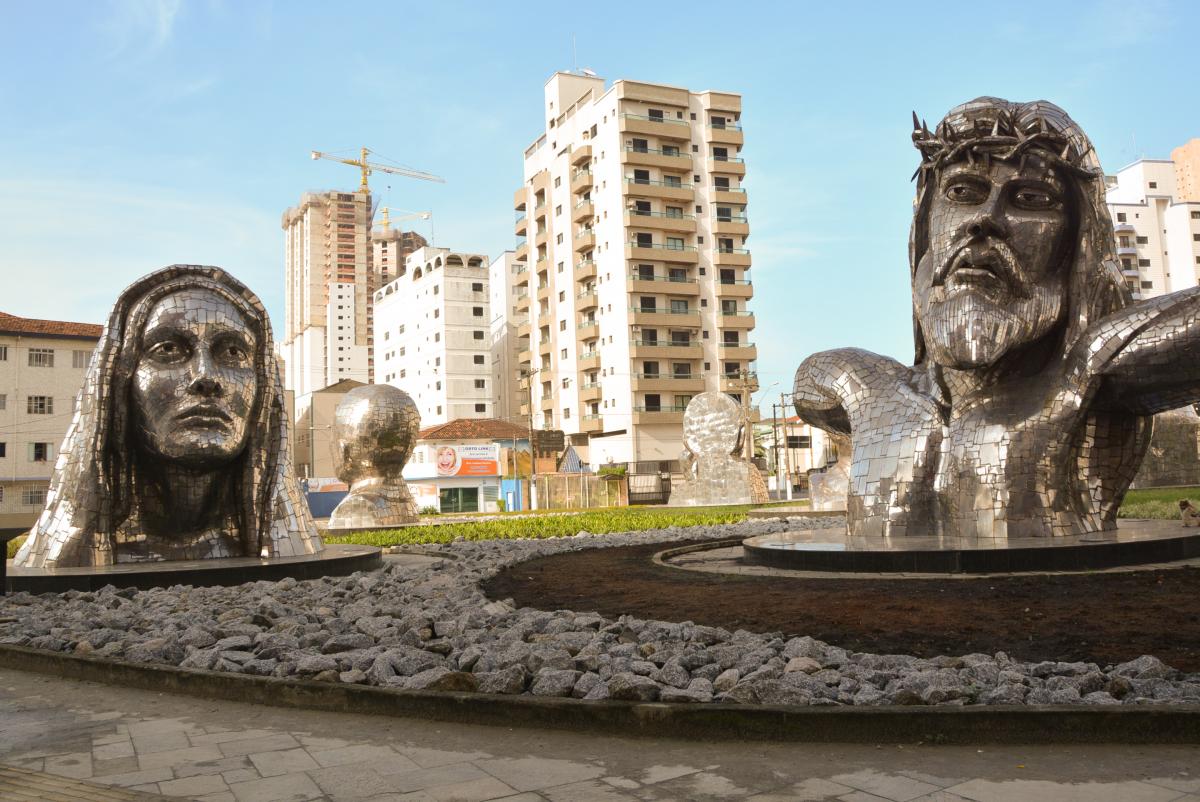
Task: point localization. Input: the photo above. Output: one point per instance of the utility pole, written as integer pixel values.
(744, 377)
(533, 499)
(775, 448)
(787, 449)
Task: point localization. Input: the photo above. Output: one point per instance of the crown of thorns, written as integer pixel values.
(1002, 137)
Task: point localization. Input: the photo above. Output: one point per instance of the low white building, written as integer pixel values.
(42, 367)
(505, 333)
(1158, 233)
(431, 334)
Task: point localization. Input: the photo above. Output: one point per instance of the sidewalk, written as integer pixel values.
(216, 751)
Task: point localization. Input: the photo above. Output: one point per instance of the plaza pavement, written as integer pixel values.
(62, 736)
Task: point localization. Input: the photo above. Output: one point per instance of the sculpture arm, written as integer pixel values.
(1148, 355)
(831, 385)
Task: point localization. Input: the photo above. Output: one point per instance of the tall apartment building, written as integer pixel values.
(503, 274)
(632, 219)
(1187, 171)
(42, 366)
(431, 333)
(1158, 232)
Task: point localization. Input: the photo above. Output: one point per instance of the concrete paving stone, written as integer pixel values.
(107, 715)
(941, 796)
(587, 791)
(147, 788)
(362, 753)
(894, 787)
(811, 790)
(193, 786)
(31, 763)
(622, 782)
(159, 726)
(122, 748)
(239, 775)
(314, 743)
(223, 796)
(163, 742)
(980, 790)
(225, 736)
(76, 765)
(119, 765)
(700, 785)
(112, 738)
(479, 790)
(219, 766)
(1183, 783)
(528, 796)
(266, 743)
(535, 773)
(282, 761)
(139, 777)
(287, 788)
(179, 757)
(357, 781)
(861, 796)
(657, 774)
(439, 775)
(934, 779)
(432, 758)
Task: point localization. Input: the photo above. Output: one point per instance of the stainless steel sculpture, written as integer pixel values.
(714, 471)
(374, 430)
(179, 444)
(1027, 411)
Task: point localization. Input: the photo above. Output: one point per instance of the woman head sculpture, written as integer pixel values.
(178, 448)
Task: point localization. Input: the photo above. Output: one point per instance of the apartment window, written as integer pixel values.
(653, 402)
(40, 452)
(402, 350)
(563, 354)
(650, 369)
(679, 305)
(480, 384)
(478, 359)
(1143, 262)
(437, 362)
(641, 176)
(387, 335)
(645, 272)
(439, 409)
(477, 311)
(402, 373)
(799, 441)
(647, 303)
(401, 329)
(654, 114)
(79, 359)
(435, 289)
(670, 150)
(481, 407)
(3, 401)
(39, 405)
(1147, 285)
(681, 370)
(1143, 240)
(557, 180)
(672, 181)
(644, 240)
(1153, 185)
(558, 211)
(3, 353)
(1196, 238)
(1121, 217)
(560, 268)
(558, 239)
(562, 325)
(562, 295)
(437, 385)
(477, 286)
(639, 146)
(33, 496)
(649, 336)
(3, 453)
(437, 313)
(41, 357)
(478, 335)
(566, 413)
(437, 336)
(729, 307)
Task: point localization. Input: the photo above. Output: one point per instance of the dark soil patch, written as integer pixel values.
(1102, 618)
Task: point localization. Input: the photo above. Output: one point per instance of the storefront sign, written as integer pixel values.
(468, 460)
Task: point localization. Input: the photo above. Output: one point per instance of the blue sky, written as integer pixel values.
(137, 133)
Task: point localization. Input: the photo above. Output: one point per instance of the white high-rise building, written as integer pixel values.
(632, 220)
(1158, 232)
(432, 334)
(503, 275)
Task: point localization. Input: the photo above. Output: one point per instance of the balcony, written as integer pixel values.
(521, 226)
(525, 356)
(667, 383)
(586, 300)
(581, 155)
(584, 240)
(591, 392)
(734, 288)
(733, 224)
(544, 347)
(662, 127)
(521, 253)
(662, 284)
(731, 257)
(728, 194)
(660, 221)
(660, 414)
(650, 188)
(524, 330)
(591, 423)
(547, 404)
(727, 166)
(541, 238)
(585, 269)
(653, 157)
(588, 330)
(524, 409)
(581, 180)
(641, 316)
(666, 349)
(736, 383)
(588, 360)
(737, 320)
(1124, 228)
(519, 199)
(543, 292)
(742, 350)
(584, 210)
(1126, 250)
(726, 134)
(662, 252)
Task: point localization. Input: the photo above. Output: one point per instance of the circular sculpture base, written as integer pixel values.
(335, 560)
(1135, 542)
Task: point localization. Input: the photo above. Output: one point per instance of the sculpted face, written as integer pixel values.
(994, 276)
(195, 384)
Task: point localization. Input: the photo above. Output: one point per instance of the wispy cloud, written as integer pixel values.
(139, 29)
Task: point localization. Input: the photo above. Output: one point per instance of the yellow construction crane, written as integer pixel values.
(386, 223)
(368, 167)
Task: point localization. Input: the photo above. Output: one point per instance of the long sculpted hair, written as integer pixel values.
(93, 495)
(993, 128)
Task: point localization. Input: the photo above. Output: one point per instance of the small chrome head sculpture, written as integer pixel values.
(178, 448)
(374, 428)
(1027, 410)
(714, 471)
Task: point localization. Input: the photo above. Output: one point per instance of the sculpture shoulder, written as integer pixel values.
(849, 371)
(1143, 326)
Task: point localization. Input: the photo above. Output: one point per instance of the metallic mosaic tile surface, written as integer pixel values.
(178, 449)
(374, 430)
(1027, 410)
(714, 471)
